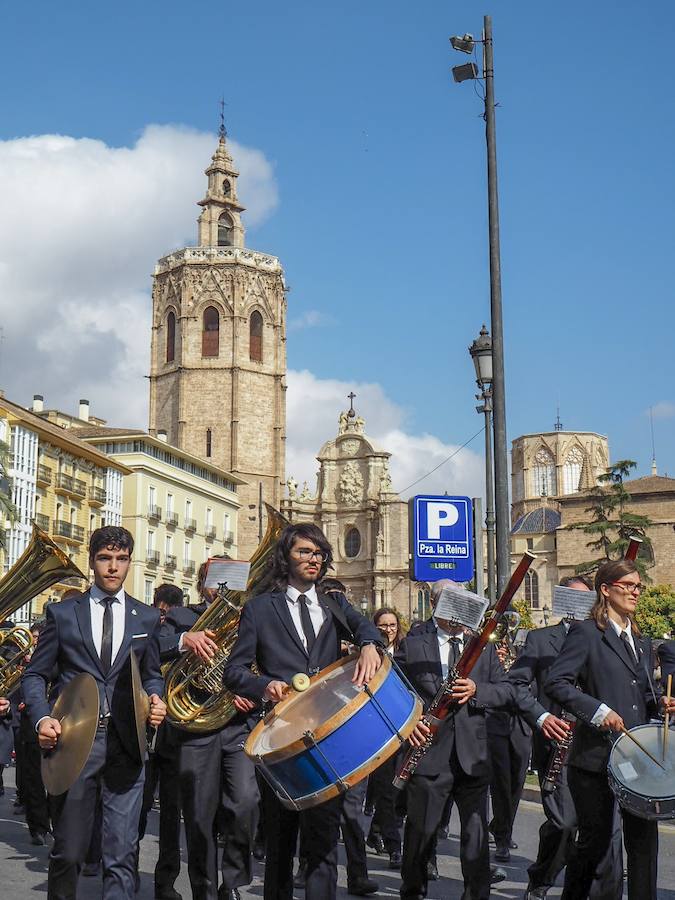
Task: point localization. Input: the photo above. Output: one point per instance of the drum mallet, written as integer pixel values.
(299, 683)
(666, 724)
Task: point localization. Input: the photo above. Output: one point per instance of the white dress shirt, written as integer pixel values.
(97, 609)
(316, 613)
(444, 647)
(603, 709)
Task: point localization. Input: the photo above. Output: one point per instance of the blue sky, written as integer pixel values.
(379, 163)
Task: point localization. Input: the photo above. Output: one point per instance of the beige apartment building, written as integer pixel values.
(180, 509)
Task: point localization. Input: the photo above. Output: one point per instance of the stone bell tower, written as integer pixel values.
(218, 356)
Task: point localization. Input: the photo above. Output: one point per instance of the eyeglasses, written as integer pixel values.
(392, 625)
(629, 586)
(306, 555)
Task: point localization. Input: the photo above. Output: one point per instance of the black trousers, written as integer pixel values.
(509, 756)
(218, 788)
(34, 793)
(120, 781)
(385, 820)
(162, 768)
(319, 829)
(427, 796)
(595, 807)
(354, 839)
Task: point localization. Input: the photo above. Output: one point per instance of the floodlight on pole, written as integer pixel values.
(463, 44)
(467, 72)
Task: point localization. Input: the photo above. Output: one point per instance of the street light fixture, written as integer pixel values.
(545, 612)
(481, 354)
(501, 464)
(463, 44)
(465, 73)
(364, 605)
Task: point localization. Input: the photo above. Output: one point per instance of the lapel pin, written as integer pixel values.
(133, 612)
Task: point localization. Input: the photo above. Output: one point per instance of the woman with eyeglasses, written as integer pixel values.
(388, 622)
(604, 677)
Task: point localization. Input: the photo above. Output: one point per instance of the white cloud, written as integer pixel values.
(311, 318)
(313, 407)
(81, 227)
(663, 410)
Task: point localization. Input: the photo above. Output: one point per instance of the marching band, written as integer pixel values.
(262, 716)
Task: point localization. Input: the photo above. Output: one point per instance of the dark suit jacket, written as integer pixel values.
(67, 646)
(268, 636)
(597, 661)
(419, 657)
(667, 660)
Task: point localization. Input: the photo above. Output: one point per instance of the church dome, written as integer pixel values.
(539, 521)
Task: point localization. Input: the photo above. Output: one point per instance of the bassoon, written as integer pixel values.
(443, 704)
(561, 749)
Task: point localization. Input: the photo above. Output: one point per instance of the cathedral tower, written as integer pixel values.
(218, 357)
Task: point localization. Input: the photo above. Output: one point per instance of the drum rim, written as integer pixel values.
(336, 720)
(614, 780)
(363, 771)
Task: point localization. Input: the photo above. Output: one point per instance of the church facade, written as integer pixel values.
(218, 353)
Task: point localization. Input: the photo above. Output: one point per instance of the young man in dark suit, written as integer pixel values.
(457, 765)
(295, 628)
(96, 633)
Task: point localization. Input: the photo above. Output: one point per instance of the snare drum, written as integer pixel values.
(641, 787)
(316, 744)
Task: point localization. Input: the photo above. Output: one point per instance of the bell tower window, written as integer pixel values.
(208, 442)
(170, 337)
(227, 187)
(255, 328)
(225, 228)
(210, 332)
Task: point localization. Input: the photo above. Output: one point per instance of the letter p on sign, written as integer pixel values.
(440, 515)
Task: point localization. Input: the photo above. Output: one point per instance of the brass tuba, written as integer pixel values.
(40, 566)
(195, 697)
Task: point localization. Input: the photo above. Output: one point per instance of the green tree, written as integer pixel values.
(7, 508)
(612, 525)
(523, 609)
(655, 612)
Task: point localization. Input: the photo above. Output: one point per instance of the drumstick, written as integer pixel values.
(299, 683)
(666, 724)
(642, 747)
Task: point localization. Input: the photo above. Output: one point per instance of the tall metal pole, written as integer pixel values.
(489, 496)
(498, 390)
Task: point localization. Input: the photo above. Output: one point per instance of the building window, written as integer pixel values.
(208, 442)
(169, 504)
(151, 541)
(148, 591)
(186, 554)
(530, 543)
(352, 543)
(188, 509)
(544, 474)
(170, 337)
(572, 471)
(227, 187)
(255, 330)
(225, 230)
(210, 332)
(168, 545)
(532, 590)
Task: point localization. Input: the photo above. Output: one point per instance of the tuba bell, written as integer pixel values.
(40, 566)
(195, 697)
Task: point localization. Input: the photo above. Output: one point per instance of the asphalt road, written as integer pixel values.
(23, 868)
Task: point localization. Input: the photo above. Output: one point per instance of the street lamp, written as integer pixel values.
(545, 612)
(481, 354)
(498, 389)
(364, 605)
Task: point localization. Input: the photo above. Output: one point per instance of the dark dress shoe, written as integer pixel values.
(376, 842)
(368, 810)
(535, 893)
(513, 845)
(228, 894)
(18, 808)
(497, 874)
(502, 854)
(362, 887)
(301, 875)
(395, 859)
(432, 871)
(91, 870)
(259, 851)
(167, 893)
(38, 838)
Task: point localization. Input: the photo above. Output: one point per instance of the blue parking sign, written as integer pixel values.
(441, 538)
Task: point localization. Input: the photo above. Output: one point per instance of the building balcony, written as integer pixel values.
(72, 533)
(171, 519)
(152, 557)
(73, 487)
(190, 525)
(169, 561)
(44, 475)
(210, 532)
(97, 495)
(228, 537)
(155, 512)
(188, 567)
(42, 521)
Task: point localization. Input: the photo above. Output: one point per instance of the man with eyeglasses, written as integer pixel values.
(604, 677)
(290, 629)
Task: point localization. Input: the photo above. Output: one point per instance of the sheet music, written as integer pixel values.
(568, 603)
(234, 572)
(462, 607)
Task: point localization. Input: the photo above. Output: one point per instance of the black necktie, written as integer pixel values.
(629, 649)
(306, 622)
(453, 653)
(107, 636)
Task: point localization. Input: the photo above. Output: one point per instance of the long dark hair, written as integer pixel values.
(609, 572)
(282, 551)
(387, 610)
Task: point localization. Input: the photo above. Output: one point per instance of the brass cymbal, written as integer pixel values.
(77, 709)
(141, 705)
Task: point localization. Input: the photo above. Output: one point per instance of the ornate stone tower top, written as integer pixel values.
(220, 221)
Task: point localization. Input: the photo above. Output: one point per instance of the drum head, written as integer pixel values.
(330, 693)
(632, 768)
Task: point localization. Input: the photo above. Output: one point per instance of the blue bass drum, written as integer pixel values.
(318, 743)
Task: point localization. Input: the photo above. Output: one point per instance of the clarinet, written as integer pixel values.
(443, 703)
(561, 750)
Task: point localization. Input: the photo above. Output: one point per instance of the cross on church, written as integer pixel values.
(222, 131)
(352, 411)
